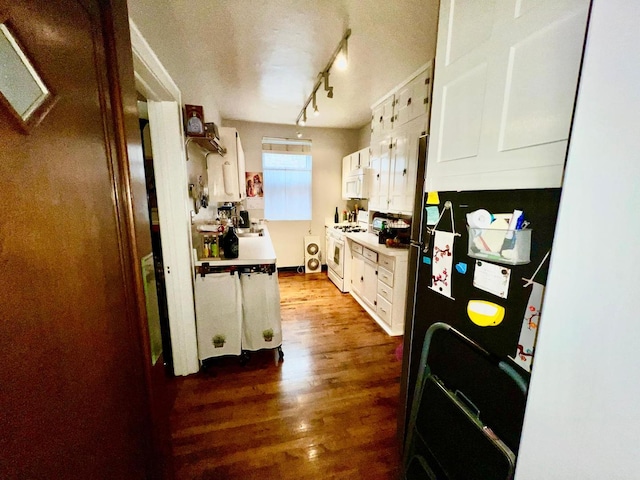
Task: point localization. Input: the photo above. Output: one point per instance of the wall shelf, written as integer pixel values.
(208, 144)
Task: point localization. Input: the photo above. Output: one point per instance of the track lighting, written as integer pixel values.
(303, 121)
(339, 58)
(327, 88)
(342, 60)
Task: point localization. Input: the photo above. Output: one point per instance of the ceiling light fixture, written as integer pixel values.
(303, 121)
(339, 57)
(327, 88)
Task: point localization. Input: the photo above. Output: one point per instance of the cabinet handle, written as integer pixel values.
(376, 272)
(375, 302)
(383, 310)
(404, 172)
(362, 279)
(409, 101)
(378, 175)
(381, 119)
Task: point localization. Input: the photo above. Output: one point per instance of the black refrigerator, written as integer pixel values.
(471, 281)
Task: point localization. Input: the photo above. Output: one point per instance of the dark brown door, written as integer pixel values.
(76, 389)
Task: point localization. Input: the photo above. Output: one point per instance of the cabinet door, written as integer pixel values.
(404, 166)
(346, 168)
(379, 194)
(383, 120)
(370, 283)
(355, 160)
(504, 93)
(365, 156)
(357, 274)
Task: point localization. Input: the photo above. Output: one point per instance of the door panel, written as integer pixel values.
(75, 378)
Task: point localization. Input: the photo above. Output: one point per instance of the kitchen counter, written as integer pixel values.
(251, 251)
(370, 241)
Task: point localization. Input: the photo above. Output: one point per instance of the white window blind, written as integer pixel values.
(286, 166)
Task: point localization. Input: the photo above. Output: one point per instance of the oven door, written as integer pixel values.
(335, 256)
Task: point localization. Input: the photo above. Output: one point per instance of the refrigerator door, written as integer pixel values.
(415, 255)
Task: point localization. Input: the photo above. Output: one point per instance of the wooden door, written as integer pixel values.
(76, 382)
(505, 82)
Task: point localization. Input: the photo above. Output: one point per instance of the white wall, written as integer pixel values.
(328, 147)
(582, 419)
(364, 134)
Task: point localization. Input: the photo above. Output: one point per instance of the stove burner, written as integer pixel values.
(349, 228)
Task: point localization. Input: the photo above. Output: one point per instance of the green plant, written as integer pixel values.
(267, 334)
(218, 340)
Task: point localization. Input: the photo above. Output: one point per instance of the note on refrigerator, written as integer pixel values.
(492, 278)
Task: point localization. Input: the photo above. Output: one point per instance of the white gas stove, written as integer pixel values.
(338, 262)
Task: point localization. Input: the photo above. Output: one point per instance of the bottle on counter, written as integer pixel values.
(336, 218)
(231, 243)
(214, 247)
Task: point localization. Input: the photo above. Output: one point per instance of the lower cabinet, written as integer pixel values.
(379, 285)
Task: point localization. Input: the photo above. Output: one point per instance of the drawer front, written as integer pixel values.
(386, 262)
(385, 276)
(383, 310)
(384, 290)
(370, 255)
(356, 248)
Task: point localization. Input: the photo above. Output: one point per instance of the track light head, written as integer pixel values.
(342, 60)
(330, 92)
(327, 87)
(315, 105)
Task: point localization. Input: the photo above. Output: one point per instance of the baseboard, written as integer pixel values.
(298, 268)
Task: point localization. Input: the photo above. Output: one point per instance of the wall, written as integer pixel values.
(582, 415)
(364, 136)
(328, 148)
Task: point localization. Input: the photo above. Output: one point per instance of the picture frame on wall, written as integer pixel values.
(194, 120)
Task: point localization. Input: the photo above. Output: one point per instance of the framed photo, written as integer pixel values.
(194, 120)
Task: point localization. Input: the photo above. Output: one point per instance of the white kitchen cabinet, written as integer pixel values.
(227, 173)
(379, 283)
(504, 93)
(357, 272)
(394, 163)
(380, 166)
(382, 117)
(413, 99)
(355, 161)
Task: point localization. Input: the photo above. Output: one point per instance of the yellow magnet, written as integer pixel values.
(485, 314)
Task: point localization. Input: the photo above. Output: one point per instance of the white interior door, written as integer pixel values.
(164, 100)
(505, 82)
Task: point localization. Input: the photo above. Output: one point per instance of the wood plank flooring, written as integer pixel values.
(328, 411)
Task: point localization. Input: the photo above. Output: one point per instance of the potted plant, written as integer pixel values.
(267, 335)
(218, 341)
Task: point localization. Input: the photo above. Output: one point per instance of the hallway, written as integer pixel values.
(328, 411)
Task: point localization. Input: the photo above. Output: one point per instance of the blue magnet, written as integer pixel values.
(426, 260)
(461, 267)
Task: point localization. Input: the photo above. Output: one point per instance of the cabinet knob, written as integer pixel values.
(362, 279)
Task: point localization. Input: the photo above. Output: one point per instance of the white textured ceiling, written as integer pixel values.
(258, 60)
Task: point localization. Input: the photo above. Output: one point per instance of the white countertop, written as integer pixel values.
(251, 251)
(370, 241)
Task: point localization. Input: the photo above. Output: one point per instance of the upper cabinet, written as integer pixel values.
(505, 83)
(394, 143)
(355, 184)
(227, 173)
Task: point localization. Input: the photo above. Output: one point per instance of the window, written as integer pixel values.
(286, 166)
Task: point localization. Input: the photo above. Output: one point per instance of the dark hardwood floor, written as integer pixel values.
(328, 411)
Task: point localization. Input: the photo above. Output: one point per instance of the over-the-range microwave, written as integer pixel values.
(357, 183)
